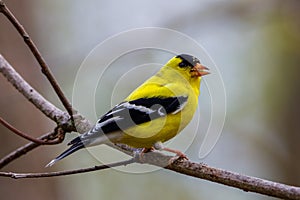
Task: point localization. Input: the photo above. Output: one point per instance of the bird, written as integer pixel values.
(153, 113)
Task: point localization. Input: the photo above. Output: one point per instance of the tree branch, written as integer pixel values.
(246, 183)
(26, 136)
(45, 69)
(197, 170)
(52, 112)
(31, 94)
(25, 149)
(64, 173)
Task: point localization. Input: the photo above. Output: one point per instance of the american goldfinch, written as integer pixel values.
(153, 113)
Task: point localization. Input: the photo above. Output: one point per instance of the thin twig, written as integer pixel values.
(26, 148)
(64, 173)
(44, 67)
(26, 136)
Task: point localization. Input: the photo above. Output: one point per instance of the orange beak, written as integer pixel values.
(199, 70)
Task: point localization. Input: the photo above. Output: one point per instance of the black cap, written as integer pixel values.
(190, 59)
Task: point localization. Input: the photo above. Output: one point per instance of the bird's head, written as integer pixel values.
(188, 65)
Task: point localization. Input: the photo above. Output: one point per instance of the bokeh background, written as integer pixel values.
(255, 44)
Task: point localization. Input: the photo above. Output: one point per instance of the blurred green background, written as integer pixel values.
(256, 46)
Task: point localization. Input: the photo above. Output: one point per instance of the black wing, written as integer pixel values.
(128, 114)
(131, 113)
(123, 116)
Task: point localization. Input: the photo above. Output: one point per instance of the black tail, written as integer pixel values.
(75, 147)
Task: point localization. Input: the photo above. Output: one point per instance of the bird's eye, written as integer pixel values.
(183, 64)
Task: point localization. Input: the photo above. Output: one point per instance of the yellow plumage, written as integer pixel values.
(170, 81)
(153, 113)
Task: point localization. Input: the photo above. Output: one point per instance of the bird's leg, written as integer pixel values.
(146, 150)
(138, 154)
(160, 146)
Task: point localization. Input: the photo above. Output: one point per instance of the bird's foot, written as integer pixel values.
(178, 153)
(138, 154)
